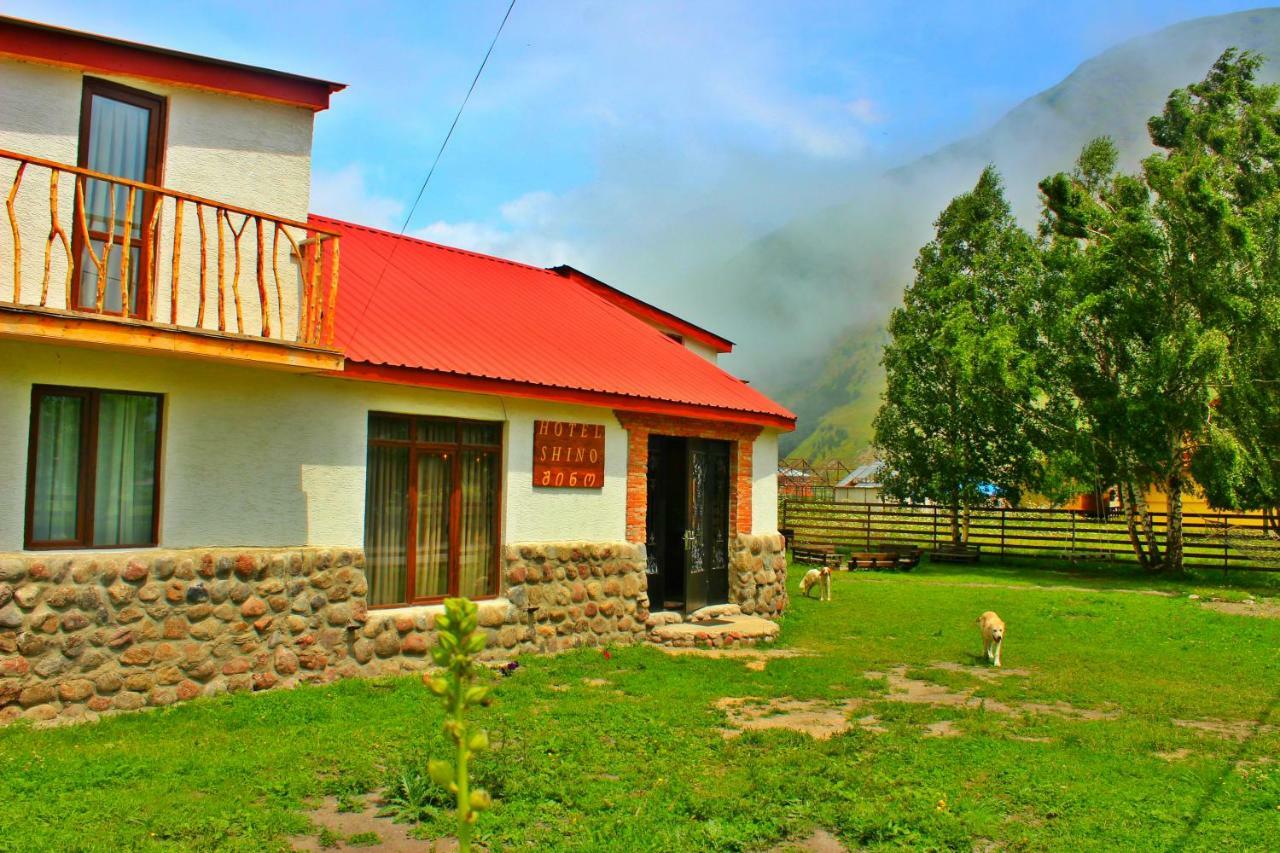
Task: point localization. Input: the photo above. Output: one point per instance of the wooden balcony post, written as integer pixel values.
(177, 261)
(17, 236)
(55, 230)
(204, 265)
(262, 285)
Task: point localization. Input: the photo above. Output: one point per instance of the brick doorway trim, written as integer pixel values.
(640, 426)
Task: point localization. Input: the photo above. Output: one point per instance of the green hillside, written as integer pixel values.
(828, 280)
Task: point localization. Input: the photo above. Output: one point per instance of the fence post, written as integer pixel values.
(1073, 537)
(1002, 513)
(934, 508)
(1226, 559)
(867, 524)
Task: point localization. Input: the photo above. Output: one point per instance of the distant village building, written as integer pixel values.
(862, 485)
(245, 445)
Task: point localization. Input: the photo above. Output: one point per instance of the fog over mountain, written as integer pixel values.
(812, 297)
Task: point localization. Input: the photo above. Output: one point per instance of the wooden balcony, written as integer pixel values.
(93, 260)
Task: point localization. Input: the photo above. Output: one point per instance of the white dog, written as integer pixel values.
(992, 627)
(821, 578)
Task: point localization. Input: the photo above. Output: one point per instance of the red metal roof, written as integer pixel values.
(650, 313)
(449, 318)
(47, 44)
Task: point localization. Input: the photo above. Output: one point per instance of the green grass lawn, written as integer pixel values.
(628, 753)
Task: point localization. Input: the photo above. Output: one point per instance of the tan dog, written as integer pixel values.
(821, 578)
(992, 627)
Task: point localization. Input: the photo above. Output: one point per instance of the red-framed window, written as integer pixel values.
(433, 508)
(93, 468)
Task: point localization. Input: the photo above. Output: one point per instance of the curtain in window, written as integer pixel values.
(476, 540)
(57, 481)
(118, 135)
(125, 481)
(431, 568)
(387, 524)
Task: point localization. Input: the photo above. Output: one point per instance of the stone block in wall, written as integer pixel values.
(757, 574)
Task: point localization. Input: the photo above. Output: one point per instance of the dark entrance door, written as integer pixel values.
(688, 523)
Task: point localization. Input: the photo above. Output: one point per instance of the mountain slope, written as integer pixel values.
(827, 281)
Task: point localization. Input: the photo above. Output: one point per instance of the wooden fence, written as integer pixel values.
(1227, 541)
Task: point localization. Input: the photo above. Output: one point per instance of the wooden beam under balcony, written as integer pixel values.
(73, 328)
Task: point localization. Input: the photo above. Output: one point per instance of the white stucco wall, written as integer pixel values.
(701, 349)
(259, 458)
(235, 150)
(764, 485)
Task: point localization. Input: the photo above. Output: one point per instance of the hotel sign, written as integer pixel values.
(568, 455)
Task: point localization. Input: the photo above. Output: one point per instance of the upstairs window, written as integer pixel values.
(93, 468)
(432, 508)
(121, 134)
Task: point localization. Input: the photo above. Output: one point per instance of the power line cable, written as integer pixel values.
(422, 189)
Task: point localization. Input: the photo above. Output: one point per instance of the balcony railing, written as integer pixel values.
(90, 245)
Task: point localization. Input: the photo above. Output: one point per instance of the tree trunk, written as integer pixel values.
(1173, 529)
(955, 524)
(1154, 560)
(1131, 522)
(966, 523)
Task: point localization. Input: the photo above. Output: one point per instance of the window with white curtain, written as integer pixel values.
(93, 473)
(431, 508)
(120, 135)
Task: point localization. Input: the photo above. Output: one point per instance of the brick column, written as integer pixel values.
(640, 426)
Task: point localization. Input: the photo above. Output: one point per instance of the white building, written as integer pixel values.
(861, 485)
(217, 408)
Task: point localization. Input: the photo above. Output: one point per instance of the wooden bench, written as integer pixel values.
(813, 554)
(872, 560)
(956, 554)
(908, 555)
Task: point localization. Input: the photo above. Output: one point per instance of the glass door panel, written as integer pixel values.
(118, 138)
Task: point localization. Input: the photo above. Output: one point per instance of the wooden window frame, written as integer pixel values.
(457, 447)
(157, 133)
(88, 468)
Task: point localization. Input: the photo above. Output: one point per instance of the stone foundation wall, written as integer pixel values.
(570, 594)
(107, 631)
(758, 574)
(101, 632)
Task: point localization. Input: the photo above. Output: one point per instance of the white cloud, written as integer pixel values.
(526, 247)
(864, 110)
(345, 194)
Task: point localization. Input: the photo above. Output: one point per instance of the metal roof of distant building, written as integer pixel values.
(450, 318)
(863, 475)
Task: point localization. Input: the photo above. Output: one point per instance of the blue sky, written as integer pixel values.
(605, 129)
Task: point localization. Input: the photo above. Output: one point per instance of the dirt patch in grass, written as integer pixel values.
(916, 691)
(986, 673)
(819, 720)
(1172, 755)
(754, 659)
(341, 830)
(820, 841)
(824, 719)
(1238, 730)
(1264, 609)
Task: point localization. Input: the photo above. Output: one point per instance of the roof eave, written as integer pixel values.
(37, 42)
(447, 381)
(646, 311)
